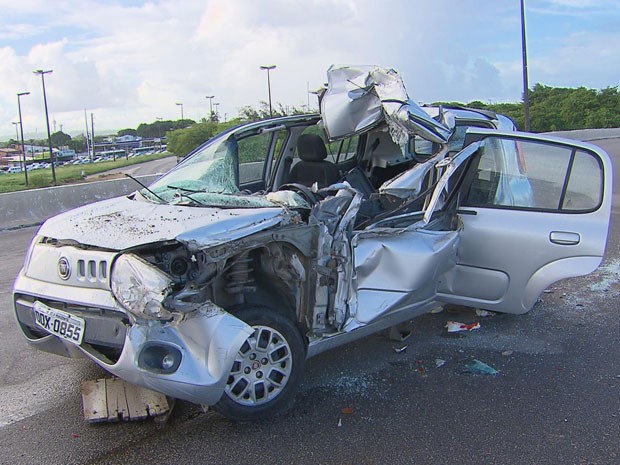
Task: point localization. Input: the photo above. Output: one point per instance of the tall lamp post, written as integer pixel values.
(217, 115)
(21, 129)
(181, 105)
(16, 123)
(158, 118)
(526, 97)
(47, 119)
(269, 68)
(210, 97)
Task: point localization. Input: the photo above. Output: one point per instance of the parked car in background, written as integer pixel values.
(280, 239)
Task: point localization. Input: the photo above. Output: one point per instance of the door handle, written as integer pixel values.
(564, 238)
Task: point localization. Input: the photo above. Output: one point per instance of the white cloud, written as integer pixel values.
(129, 62)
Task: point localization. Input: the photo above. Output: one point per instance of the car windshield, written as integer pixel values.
(210, 177)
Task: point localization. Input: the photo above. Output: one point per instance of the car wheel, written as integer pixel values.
(267, 368)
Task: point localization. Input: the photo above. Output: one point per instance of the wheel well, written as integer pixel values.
(273, 276)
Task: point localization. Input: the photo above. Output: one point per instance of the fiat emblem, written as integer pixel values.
(64, 268)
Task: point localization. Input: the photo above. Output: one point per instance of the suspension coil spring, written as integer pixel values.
(239, 278)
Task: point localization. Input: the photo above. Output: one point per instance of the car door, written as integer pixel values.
(533, 209)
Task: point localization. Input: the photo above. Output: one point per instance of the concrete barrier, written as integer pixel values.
(33, 207)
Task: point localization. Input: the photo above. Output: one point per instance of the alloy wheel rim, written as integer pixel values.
(261, 369)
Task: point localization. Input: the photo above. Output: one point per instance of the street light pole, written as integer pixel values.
(159, 130)
(217, 115)
(21, 128)
(47, 119)
(269, 68)
(526, 97)
(210, 97)
(16, 123)
(181, 105)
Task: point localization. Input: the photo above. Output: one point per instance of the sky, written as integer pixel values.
(132, 61)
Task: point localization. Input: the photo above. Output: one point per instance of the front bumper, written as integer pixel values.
(207, 340)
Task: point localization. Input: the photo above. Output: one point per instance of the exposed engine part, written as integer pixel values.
(239, 278)
(176, 263)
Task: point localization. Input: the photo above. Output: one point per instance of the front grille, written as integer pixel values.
(92, 270)
(104, 332)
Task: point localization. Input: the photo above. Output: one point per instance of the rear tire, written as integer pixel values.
(267, 369)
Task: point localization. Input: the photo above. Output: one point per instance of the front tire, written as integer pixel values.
(267, 368)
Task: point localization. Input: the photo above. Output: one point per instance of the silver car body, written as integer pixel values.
(164, 269)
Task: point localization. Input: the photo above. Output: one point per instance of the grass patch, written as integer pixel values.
(67, 174)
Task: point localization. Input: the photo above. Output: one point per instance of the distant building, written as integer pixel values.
(9, 155)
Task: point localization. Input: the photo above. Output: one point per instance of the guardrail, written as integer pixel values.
(33, 207)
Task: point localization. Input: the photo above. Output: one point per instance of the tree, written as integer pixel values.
(60, 139)
(127, 132)
(183, 141)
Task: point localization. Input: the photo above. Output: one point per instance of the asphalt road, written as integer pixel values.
(556, 399)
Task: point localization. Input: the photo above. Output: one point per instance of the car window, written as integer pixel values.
(533, 175)
(337, 151)
(253, 151)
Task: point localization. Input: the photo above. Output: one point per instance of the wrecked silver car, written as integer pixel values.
(280, 239)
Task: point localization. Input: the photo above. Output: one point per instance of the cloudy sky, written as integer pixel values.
(131, 61)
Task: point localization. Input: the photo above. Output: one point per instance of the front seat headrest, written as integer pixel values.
(311, 147)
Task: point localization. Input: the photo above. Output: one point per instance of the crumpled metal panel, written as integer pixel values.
(411, 183)
(393, 264)
(209, 340)
(359, 97)
(121, 223)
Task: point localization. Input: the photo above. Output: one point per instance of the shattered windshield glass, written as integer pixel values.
(210, 177)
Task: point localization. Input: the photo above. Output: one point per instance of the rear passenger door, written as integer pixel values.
(534, 210)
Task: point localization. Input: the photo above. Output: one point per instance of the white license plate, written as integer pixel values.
(62, 324)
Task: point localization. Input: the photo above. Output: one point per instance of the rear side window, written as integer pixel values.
(531, 175)
(337, 151)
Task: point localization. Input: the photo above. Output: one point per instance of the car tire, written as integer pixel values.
(267, 368)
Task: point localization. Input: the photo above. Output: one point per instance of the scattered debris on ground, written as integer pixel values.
(484, 313)
(476, 367)
(455, 326)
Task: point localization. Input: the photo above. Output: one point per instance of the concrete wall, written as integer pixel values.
(32, 207)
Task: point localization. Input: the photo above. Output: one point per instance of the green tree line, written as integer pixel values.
(563, 109)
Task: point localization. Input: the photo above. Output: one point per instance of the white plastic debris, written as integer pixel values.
(439, 362)
(484, 313)
(455, 326)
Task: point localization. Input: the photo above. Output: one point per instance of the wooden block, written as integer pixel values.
(113, 399)
(117, 402)
(94, 400)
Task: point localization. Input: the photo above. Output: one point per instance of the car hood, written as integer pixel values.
(122, 223)
(359, 97)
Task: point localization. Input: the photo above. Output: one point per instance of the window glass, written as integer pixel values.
(280, 138)
(585, 184)
(338, 151)
(253, 152)
(511, 173)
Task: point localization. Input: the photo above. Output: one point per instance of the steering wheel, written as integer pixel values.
(303, 191)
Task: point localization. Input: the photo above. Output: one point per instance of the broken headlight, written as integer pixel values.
(140, 287)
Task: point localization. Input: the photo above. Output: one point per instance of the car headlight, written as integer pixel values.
(140, 287)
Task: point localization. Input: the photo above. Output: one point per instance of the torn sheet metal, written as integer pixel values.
(122, 223)
(393, 265)
(412, 182)
(208, 341)
(359, 97)
(112, 399)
